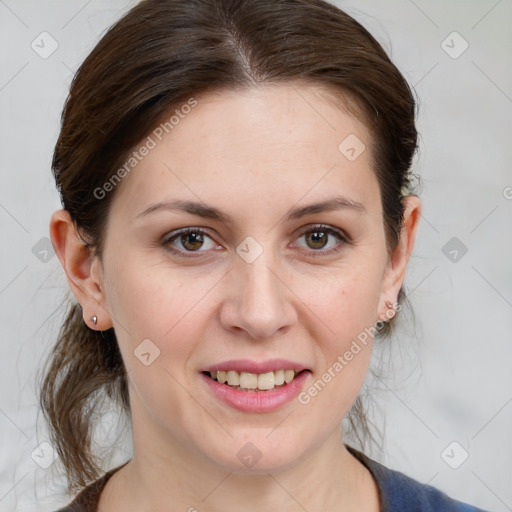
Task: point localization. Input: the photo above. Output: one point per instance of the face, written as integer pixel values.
(257, 279)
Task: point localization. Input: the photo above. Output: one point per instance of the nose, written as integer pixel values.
(261, 302)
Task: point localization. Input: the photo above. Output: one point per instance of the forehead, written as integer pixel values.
(272, 142)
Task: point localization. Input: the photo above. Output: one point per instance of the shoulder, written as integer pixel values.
(400, 492)
(88, 498)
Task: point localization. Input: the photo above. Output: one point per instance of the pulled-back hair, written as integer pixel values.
(153, 60)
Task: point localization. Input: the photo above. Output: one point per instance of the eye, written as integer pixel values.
(317, 237)
(190, 239)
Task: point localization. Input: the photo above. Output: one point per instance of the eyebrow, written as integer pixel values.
(210, 212)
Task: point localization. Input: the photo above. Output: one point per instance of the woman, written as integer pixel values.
(236, 226)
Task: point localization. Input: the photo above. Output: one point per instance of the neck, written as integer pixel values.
(329, 478)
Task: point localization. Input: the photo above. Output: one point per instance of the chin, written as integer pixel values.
(258, 456)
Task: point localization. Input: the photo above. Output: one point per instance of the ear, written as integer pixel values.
(83, 270)
(397, 265)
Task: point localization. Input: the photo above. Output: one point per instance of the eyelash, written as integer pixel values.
(168, 239)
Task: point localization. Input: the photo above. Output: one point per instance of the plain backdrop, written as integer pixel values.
(446, 402)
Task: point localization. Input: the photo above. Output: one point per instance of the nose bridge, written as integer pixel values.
(260, 285)
(261, 304)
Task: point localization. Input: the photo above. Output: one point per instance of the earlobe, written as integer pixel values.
(79, 264)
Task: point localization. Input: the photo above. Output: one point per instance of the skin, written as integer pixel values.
(254, 155)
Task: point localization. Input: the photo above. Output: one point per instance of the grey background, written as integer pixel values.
(450, 380)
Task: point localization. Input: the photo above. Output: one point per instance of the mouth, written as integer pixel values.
(256, 386)
(255, 382)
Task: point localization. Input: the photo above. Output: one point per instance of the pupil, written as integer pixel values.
(194, 238)
(322, 235)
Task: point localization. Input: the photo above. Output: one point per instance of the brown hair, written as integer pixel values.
(156, 57)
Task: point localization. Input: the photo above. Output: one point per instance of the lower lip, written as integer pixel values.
(257, 401)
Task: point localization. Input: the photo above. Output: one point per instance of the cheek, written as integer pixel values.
(159, 304)
(158, 324)
(344, 345)
(346, 301)
(347, 307)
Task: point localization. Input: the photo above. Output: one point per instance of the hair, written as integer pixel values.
(154, 59)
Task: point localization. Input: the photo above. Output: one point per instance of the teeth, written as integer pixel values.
(248, 380)
(266, 381)
(279, 378)
(233, 378)
(288, 376)
(262, 381)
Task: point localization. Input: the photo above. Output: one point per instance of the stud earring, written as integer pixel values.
(94, 319)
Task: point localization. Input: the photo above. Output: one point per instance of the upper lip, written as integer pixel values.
(246, 365)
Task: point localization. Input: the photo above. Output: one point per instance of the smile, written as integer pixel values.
(246, 381)
(255, 386)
